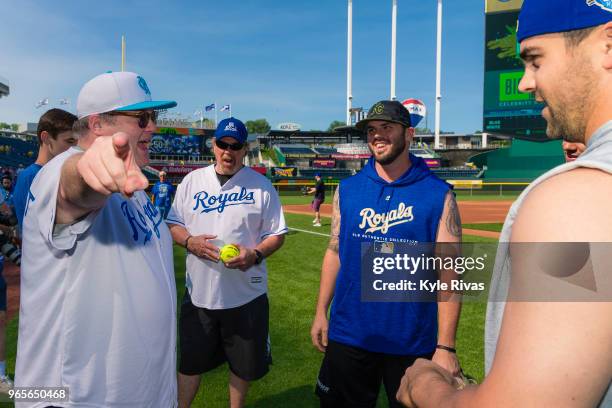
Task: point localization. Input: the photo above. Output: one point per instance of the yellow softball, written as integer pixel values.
(228, 252)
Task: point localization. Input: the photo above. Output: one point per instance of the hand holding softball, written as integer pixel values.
(245, 259)
(200, 246)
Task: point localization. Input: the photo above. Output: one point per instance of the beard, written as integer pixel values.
(568, 110)
(396, 150)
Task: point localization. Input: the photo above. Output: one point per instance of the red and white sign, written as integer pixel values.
(324, 163)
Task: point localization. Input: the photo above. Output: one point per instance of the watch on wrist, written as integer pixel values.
(260, 257)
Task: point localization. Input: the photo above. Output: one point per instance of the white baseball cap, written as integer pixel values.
(117, 91)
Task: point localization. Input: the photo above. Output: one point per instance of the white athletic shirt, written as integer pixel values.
(98, 301)
(598, 155)
(245, 210)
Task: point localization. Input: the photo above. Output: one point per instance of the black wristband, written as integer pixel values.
(187, 241)
(449, 349)
(260, 256)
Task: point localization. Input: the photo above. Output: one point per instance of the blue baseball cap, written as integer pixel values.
(232, 127)
(539, 17)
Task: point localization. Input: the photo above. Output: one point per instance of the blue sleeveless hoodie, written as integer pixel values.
(404, 328)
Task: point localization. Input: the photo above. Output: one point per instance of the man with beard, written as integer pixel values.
(224, 315)
(548, 337)
(369, 343)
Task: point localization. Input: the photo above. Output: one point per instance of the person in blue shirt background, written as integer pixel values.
(55, 136)
(7, 189)
(162, 194)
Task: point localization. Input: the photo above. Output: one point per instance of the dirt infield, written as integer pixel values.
(472, 212)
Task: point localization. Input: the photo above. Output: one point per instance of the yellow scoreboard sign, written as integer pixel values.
(495, 6)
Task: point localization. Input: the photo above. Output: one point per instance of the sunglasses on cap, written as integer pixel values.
(233, 146)
(143, 116)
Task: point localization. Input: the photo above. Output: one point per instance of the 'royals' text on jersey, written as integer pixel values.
(244, 211)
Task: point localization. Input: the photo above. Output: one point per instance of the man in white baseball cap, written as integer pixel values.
(98, 297)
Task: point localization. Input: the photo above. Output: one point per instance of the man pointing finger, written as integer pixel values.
(98, 298)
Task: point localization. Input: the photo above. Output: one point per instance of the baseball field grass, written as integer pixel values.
(293, 287)
(497, 226)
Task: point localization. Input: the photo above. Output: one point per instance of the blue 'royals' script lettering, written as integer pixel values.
(210, 203)
(138, 223)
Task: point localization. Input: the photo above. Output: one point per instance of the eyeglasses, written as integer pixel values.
(143, 116)
(233, 146)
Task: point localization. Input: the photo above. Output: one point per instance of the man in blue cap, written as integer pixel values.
(224, 315)
(548, 336)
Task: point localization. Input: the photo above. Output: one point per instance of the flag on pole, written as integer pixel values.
(227, 107)
(42, 102)
(197, 113)
(210, 107)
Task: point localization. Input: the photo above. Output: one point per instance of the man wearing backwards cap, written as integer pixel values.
(394, 199)
(224, 314)
(553, 347)
(98, 298)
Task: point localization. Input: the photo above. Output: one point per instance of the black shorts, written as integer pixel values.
(351, 377)
(316, 203)
(239, 335)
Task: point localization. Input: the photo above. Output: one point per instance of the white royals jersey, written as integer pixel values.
(98, 302)
(245, 210)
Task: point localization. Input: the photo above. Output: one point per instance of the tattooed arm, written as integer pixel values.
(329, 272)
(449, 303)
(334, 236)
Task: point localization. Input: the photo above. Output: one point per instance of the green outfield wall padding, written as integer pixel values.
(523, 161)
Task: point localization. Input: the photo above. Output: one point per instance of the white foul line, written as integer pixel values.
(310, 232)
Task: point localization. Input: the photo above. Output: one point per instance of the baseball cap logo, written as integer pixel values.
(231, 127)
(143, 84)
(604, 4)
(378, 109)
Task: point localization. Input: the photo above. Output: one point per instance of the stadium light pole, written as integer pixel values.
(122, 53)
(349, 64)
(393, 47)
(438, 76)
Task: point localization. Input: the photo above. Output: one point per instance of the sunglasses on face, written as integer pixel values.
(233, 146)
(143, 116)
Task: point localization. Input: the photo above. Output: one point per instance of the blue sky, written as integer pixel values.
(280, 60)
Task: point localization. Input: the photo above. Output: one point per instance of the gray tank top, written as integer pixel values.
(598, 155)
